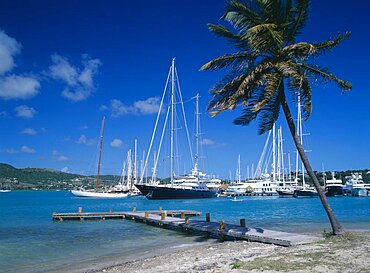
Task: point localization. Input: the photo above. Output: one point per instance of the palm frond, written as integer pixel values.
(300, 50)
(325, 75)
(302, 88)
(234, 38)
(329, 44)
(245, 58)
(271, 86)
(264, 37)
(240, 16)
(299, 16)
(269, 114)
(271, 10)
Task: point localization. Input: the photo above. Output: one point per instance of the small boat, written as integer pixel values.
(355, 186)
(5, 190)
(115, 192)
(305, 193)
(334, 187)
(285, 192)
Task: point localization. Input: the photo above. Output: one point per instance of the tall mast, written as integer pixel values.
(100, 150)
(197, 117)
(239, 174)
(172, 116)
(135, 164)
(273, 154)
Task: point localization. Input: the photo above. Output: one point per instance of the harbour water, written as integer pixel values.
(31, 242)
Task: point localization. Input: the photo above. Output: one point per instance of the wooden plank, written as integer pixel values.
(221, 230)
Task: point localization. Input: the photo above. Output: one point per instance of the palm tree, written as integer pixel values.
(270, 65)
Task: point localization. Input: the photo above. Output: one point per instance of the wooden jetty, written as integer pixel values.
(167, 219)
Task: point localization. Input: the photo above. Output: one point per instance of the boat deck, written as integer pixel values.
(222, 230)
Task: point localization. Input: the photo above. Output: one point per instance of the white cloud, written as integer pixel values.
(207, 141)
(58, 157)
(29, 131)
(84, 140)
(148, 106)
(9, 47)
(116, 143)
(18, 87)
(119, 109)
(65, 170)
(79, 81)
(11, 151)
(141, 107)
(62, 158)
(24, 111)
(27, 150)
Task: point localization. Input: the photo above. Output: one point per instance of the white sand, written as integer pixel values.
(350, 253)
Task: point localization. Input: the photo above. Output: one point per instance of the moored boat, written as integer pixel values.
(116, 192)
(334, 187)
(179, 187)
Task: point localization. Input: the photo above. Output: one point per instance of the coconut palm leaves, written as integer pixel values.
(264, 32)
(269, 65)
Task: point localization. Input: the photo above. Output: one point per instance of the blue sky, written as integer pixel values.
(65, 64)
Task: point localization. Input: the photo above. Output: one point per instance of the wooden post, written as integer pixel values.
(208, 217)
(242, 222)
(222, 225)
(134, 209)
(182, 215)
(110, 210)
(163, 215)
(79, 210)
(146, 214)
(187, 221)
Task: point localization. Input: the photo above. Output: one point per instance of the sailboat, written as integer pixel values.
(305, 191)
(115, 192)
(178, 188)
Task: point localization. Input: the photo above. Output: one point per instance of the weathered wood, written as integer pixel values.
(213, 229)
(242, 222)
(208, 217)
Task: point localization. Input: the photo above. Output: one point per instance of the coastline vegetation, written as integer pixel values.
(47, 179)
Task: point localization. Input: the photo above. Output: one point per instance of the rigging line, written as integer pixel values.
(258, 171)
(183, 112)
(155, 126)
(160, 144)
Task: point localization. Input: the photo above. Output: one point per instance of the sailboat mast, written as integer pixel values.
(197, 130)
(273, 154)
(135, 165)
(172, 116)
(100, 150)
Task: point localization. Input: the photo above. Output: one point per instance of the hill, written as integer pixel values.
(40, 178)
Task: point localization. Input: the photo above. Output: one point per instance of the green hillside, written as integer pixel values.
(40, 178)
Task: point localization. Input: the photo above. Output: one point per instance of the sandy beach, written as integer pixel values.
(349, 253)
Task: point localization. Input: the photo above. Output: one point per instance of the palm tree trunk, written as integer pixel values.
(336, 227)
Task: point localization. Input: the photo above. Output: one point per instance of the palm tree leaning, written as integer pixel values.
(270, 65)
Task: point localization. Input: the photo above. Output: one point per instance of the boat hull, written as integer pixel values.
(359, 192)
(92, 194)
(305, 193)
(158, 192)
(333, 191)
(285, 193)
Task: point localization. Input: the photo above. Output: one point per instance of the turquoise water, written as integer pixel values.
(31, 242)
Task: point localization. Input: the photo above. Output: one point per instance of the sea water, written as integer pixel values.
(30, 241)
